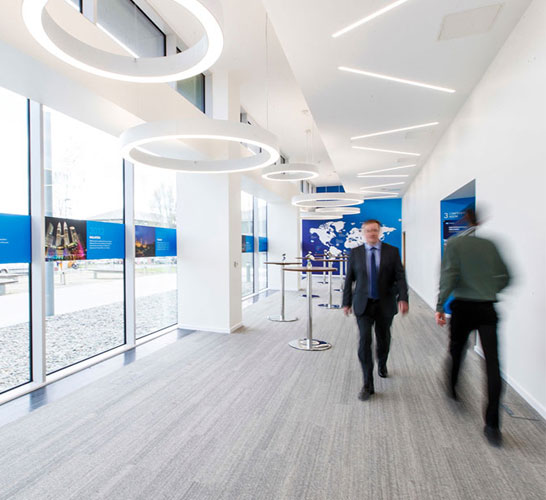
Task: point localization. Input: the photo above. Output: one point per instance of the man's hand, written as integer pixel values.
(347, 310)
(403, 307)
(440, 318)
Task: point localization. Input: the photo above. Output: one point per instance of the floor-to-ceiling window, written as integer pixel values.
(14, 242)
(261, 212)
(127, 24)
(155, 252)
(84, 216)
(247, 231)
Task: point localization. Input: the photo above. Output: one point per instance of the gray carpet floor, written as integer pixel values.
(244, 416)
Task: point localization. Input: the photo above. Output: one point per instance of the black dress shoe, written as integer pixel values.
(383, 372)
(493, 435)
(365, 393)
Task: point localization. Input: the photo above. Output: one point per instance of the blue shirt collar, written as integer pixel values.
(377, 245)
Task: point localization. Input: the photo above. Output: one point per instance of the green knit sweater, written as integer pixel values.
(472, 269)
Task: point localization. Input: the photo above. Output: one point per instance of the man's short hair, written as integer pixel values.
(372, 221)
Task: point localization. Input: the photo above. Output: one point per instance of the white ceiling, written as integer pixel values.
(403, 43)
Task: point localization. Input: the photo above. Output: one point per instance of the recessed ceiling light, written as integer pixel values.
(394, 79)
(368, 18)
(382, 185)
(363, 176)
(384, 170)
(387, 151)
(394, 130)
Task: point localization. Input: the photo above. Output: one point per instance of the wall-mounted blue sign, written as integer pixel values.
(262, 244)
(14, 239)
(453, 224)
(247, 243)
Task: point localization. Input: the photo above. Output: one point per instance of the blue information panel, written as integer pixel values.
(72, 239)
(105, 240)
(453, 224)
(247, 243)
(165, 242)
(155, 241)
(14, 239)
(262, 244)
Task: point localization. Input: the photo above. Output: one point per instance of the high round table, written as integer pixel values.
(309, 343)
(329, 305)
(315, 296)
(281, 265)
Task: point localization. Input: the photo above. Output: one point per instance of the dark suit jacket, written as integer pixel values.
(392, 286)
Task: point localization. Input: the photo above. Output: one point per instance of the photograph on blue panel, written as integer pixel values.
(65, 239)
(144, 241)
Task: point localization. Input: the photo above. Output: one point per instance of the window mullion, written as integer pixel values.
(37, 207)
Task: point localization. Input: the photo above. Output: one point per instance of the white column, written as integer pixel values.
(209, 233)
(209, 252)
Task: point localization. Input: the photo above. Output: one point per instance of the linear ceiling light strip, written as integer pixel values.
(366, 19)
(395, 79)
(386, 151)
(393, 131)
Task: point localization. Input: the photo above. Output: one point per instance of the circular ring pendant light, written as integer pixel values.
(290, 172)
(73, 51)
(148, 133)
(339, 210)
(327, 200)
(317, 216)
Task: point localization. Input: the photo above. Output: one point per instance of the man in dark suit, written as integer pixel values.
(380, 284)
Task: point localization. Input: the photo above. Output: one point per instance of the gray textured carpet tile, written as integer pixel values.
(245, 416)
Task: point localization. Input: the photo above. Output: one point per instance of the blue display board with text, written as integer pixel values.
(153, 241)
(14, 239)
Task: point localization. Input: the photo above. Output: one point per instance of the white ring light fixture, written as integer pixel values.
(69, 49)
(317, 216)
(290, 172)
(340, 210)
(327, 200)
(149, 133)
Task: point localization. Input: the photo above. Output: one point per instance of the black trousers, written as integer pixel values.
(467, 316)
(372, 317)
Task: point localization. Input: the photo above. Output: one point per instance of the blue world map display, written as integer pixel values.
(341, 235)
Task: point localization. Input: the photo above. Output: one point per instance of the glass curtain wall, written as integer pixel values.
(247, 230)
(261, 209)
(155, 277)
(130, 28)
(84, 298)
(14, 276)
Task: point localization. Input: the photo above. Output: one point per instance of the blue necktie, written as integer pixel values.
(373, 276)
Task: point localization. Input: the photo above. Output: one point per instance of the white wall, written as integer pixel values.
(498, 139)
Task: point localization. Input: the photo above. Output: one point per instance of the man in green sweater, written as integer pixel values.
(474, 272)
